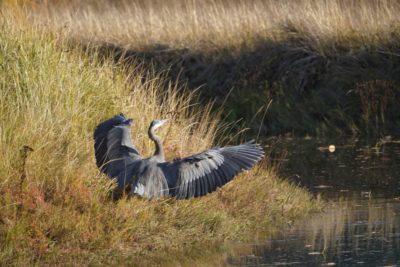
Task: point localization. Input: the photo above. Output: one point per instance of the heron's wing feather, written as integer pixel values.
(203, 173)
(119, 143)
(113, 145)
(120, 150)
(100, 138)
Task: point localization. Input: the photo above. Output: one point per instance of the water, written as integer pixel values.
(361, 224)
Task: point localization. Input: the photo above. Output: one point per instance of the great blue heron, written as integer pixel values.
(153, 177)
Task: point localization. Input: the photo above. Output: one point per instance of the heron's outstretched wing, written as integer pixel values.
(203, 173)
(113, 145)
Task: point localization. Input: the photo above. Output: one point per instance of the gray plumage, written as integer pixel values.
(113, 146)
(153, 177)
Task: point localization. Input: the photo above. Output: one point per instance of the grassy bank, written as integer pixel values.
(55, 207)
(335, 61)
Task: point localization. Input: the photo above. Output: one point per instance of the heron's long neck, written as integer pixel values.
(159, 153)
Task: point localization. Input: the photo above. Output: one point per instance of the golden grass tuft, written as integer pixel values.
(51, 98)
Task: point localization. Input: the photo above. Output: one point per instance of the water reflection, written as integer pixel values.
(361, 225)
(352, 166)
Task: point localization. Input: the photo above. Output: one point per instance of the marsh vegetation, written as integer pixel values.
(213, 68)
(55, 205)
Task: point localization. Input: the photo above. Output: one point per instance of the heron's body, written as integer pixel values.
(153, 177)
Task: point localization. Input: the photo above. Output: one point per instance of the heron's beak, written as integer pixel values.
(159, 124)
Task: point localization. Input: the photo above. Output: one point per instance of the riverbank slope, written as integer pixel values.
(56, 207)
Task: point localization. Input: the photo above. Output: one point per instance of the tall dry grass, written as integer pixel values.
(306, 54)
(213, 24)
(51, 98)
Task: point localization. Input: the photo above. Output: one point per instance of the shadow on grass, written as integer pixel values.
(327, 91)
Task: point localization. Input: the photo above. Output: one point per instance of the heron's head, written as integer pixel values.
(157, 123)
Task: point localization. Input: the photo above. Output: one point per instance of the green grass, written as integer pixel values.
(51, 98)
